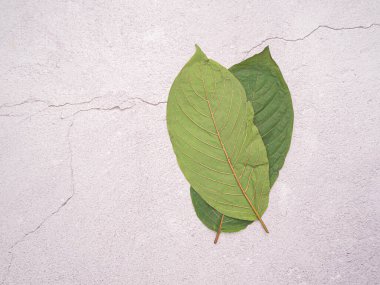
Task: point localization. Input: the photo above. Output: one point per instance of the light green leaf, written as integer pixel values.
(218, 148)
(267, 91)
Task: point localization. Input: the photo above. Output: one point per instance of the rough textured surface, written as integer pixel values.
(90, 192)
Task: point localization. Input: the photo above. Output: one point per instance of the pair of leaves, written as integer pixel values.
(269, 95)
(218, 147)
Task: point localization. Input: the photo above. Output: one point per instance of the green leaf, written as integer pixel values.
(267, 91)
(217, 146)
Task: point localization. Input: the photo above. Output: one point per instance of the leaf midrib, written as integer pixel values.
(231, 166)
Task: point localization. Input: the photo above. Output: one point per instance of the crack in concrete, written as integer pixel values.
(117, 107)
(27, 101)
(56, 211)
(50, 105)
(149, 103)
(310, 33)
(8, 270)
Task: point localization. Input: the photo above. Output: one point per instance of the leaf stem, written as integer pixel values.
(219, 230)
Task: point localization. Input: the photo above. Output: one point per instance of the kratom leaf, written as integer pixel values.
(218, 148)
(270, 97)
(268, 92)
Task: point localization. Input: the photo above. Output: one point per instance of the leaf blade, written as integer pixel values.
(274, 115)
(207, 85)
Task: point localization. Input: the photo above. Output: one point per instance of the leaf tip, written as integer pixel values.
(199, 54)
(266, 51)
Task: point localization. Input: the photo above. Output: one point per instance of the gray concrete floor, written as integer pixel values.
(90, 191)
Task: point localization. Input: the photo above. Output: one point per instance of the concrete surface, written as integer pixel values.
(90, 192)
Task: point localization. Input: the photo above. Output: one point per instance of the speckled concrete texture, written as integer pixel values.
(90, 191)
